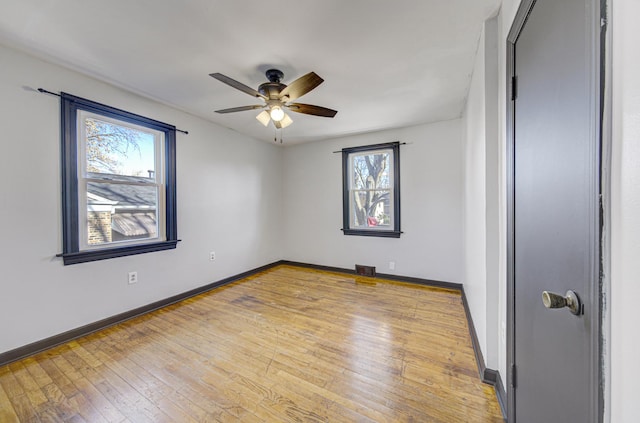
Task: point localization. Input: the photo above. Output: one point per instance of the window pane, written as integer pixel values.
(118, 150)
(121, 212)
(371, 190)
(372, 209)
(371, 171)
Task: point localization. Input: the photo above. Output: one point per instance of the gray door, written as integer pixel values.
(554, 211)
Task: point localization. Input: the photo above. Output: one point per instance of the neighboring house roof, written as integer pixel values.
(133, 206)
(125, 195)
(134, 224)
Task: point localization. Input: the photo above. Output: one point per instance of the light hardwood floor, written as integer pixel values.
(285, 345)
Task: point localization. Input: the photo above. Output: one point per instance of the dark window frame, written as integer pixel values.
(71, 252)
(346, 198)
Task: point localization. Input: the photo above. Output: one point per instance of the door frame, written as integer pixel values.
(597, 34)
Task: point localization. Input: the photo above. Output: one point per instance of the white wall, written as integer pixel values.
(229, 201)
(431, 205)
(625, 214)
(496, 336)
(481, 200)
(474, 140)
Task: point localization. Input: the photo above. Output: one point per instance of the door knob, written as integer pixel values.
(570, 300)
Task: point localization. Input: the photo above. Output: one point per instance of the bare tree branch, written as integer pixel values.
(106, 141)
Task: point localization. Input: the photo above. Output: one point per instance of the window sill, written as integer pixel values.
(382, 234)
(107, 253)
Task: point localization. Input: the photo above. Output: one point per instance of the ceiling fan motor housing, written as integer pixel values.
(271, 90)
(274, 75)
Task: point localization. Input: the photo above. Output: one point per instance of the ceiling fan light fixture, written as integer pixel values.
(277, 113)
(264, 117)
(286, 121)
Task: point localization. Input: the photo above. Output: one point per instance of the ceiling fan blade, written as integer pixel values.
(237, 85)
(310, 109)
(240, 109)
(301, 86)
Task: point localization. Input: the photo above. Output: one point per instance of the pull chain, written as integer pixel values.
(275, 135)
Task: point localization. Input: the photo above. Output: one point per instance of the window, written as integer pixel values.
(371, 190)
(119, 183)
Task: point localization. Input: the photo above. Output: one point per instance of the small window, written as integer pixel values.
(118, 182)
(371, 190)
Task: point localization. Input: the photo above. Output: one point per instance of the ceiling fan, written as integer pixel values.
(278, 97)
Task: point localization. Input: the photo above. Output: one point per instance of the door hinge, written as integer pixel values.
(514, 88)
(513, 376)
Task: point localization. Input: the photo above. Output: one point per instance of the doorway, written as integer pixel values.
(554, 212)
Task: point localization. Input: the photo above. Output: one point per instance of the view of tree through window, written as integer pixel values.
(117, 149)
(371, 190)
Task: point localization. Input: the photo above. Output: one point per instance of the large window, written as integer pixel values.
(119, 187)
(371, 190)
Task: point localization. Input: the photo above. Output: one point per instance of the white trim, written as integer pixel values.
(110, 205)
(390, 171)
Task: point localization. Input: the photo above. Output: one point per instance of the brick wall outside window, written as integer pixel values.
(99, 227)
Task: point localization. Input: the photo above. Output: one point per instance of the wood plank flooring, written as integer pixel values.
(285, 345)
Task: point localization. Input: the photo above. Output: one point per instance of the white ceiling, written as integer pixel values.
(386, 64)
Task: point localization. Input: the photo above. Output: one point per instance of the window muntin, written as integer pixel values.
(371, 190)
(118, 182)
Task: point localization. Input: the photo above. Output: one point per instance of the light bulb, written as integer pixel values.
(276, 113)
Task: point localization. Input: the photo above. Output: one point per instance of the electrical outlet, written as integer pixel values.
(392, 265)
(212, 256)
(133, 277)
